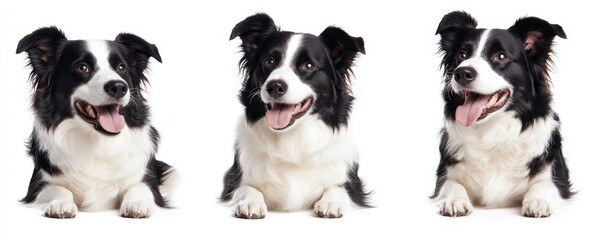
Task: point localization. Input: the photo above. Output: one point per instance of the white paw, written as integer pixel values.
(456, 207)
(136, 209)
(250, 209)
(327, 209)
(61, 209)
(536, 208)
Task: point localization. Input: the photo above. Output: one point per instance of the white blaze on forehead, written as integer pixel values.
(93, 91)
(482, 43)
(297, 91)
(101, 52)
(487, 81)
(292, 47)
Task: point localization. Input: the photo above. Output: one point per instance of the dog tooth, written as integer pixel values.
(297, 108)
(91, 112)
(493, 100)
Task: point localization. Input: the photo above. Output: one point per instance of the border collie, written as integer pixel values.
(92, 144)
(500, 144)
(293, 149)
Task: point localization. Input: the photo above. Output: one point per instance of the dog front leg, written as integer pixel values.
(59, 202)
(334, 202)
(138, 202)
(249, 203)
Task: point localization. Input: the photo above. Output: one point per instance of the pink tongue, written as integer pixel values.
(468, 113)
(110, 120)
(280, 116)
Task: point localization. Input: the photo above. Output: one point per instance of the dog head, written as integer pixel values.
(290, 76)
(96, 81)
(490, 71)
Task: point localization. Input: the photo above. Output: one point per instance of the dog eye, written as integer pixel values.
(501, 57)
(462, 56)
(269, 62)
(82, 68)
(122, 68)
(308, 67)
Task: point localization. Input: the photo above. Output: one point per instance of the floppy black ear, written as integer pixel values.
(140, 50)
(41, 46)
(452, 27)
(456, 21)
(343, 49)
(537, 35)
(251, 31)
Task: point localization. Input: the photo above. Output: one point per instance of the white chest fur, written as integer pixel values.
(292, 169)
(96, 168)
(493, 157)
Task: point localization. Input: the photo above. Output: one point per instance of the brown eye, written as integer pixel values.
(121, 68)
(82, 68)
(462, 56)
(501, 57)
(308, 67)
(269, 62)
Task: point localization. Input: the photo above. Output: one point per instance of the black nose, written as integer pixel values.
(276, 88)
(116, 88)
(465, 75)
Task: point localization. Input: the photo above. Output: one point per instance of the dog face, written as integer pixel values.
(94, 81)
(490, 71)
(290, 76)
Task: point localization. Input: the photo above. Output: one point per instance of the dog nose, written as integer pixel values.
(465, 75)
(116, 88)
(276, 88)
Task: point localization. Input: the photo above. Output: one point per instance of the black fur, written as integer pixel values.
(232, 178)
(356, 188)
(527, 71)
(52, 57)
(446, 160)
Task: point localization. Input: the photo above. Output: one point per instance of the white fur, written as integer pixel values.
(333, 203)
(93, 91)
(138, 202)
(294, 169)
(493, 165)
(297, 90)
(249, 203)
(96, 169)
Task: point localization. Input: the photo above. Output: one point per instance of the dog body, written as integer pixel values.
(92, 144)
(501, 144)
(293, 150)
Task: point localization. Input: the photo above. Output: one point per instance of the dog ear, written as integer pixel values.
(452, 26)
(343, 49)
(251, 31)
(41, 46)
(140, 50)
(456, 21)
(537, 36)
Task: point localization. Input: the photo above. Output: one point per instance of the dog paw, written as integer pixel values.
(250, 209)
(456, 207)
(61, 209)
(136, 209)
(536, 208)
(327, 209)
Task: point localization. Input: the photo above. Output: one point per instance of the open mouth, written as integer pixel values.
(280, 116)
(104, 118)
(478, 106)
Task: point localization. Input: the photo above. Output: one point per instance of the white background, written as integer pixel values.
(193, 94)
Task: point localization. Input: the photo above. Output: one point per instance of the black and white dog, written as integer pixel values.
(293, 149)
(92, 144)
(500, 144)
